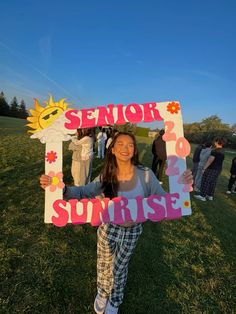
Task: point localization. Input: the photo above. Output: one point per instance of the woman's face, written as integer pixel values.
(123, 148)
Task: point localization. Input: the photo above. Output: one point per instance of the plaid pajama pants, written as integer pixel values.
(208, 183)
(115, 246)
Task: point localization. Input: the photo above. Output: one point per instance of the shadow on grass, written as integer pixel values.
(219, 251)
(43, 268)
(222, 219)
(149, 276)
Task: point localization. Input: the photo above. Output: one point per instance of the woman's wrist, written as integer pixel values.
(64, 189)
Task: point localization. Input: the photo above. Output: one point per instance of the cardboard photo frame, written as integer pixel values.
(55, 123)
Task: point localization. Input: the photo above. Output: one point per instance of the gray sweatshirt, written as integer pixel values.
(150, 185)
(204, 155)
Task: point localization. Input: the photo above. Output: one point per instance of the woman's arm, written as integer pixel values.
(74, 146)
(156, 188)
(90, 190)
(209, 162)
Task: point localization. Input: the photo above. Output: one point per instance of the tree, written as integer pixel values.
(14, 108)
(127, 127)
(233, 127)
(213, 123)
(4, 107)
(192, 127)
(23, 114)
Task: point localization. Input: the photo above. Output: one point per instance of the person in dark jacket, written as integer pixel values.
(159, 155)
(232, 178)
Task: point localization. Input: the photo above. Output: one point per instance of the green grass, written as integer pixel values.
(181, 266)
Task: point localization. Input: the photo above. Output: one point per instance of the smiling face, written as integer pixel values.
(43, 117)
(48, 116)
(123, 148)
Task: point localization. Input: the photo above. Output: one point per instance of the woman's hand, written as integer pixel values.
(45, 181)
(187, 177)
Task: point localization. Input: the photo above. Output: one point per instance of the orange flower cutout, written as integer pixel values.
(186, 204)
(173, 107)
(51, 156)
(56, 181)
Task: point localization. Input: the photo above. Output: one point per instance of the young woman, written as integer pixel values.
(82, 147)
(204, 155)
(211, 171)
(122, 176)
(232, 178)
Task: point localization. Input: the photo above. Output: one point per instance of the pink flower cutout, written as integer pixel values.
(56, 181)
(51, 156)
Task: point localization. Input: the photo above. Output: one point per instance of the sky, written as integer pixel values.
(96, 53)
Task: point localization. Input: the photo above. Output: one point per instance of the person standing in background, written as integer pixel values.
(211, 171)
(101, 138)
(204, 155)
(82, 147)
(110, 139)
(159, 155)
(232, 178)
(196, 159)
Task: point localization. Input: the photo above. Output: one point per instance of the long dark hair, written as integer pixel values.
(108, 175)
(79, 134)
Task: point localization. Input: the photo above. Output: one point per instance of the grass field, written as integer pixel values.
(181, 266)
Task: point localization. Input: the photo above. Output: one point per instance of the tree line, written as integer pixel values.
(210, 128)
(14, 109)
(197, 132)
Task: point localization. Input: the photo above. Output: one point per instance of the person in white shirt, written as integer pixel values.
(101, 138)
(113, 133)
(82, 147)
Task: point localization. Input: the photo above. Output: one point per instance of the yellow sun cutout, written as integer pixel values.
(42, 117)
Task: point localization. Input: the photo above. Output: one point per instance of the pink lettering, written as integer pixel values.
(169, 136)
(63, 215)
(151, 113)
(172, 213)
(86, 121)
(120, 204)
(140, 210)
(134, 115)
(98, 209)
(75, 218)
(120, 115)
(171, 169)
(159, 210)
(105, 115)
(74, 120)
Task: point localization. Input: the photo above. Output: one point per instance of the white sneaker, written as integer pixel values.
(110, 309)
(199, 197)
(209, 198)
(234, 192)
(100, 304)
(228, 192)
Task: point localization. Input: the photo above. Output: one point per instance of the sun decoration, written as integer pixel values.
(51, 156)
(56, 181)
(173, 107)
(42, 117)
